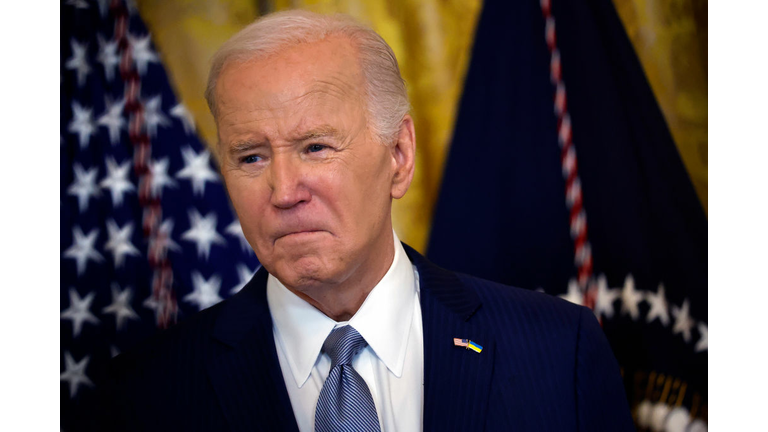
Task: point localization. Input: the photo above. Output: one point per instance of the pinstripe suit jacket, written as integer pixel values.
(545, 365)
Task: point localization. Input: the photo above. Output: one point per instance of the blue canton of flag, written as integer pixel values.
(148, 236)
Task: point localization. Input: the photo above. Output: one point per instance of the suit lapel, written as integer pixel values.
(244, 368)
(456, 380)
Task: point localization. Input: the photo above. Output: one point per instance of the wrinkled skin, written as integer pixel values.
(311, 184)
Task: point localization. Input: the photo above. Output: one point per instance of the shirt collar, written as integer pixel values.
(384, 320)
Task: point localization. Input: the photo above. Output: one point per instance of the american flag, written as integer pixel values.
(460, 342)
(148, 235)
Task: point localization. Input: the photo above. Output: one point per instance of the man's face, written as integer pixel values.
(310, 183)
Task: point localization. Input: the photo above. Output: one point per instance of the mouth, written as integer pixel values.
(297, 234)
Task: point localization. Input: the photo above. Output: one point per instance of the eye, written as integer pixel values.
(251, 159)
(314, 148)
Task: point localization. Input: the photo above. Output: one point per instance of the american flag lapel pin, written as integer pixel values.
(468, 344)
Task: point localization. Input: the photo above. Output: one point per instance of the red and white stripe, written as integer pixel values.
(573, 193)
(162, 293)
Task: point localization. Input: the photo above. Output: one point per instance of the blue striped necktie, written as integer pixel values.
(345, 403)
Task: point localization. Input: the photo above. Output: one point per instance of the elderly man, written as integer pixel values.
(346, 328)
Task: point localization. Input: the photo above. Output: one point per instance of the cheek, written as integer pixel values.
(248, 203)
(362, 195)
(341, 186)
(374, 180)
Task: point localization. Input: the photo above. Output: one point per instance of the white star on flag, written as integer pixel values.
(605, 298)
(121, 305)
(630, 298)
(113, 120)
(574, 294)
(79, 311)
(161, 242)
(108, 57)
(206, 292)
(236, 230)
(81, 124)
(181, 112)
(659, 308)
(82, 248)
(74, 373)
(117, 181)
(197, 169)
(245, 274)
(142, 53)
(153, 115)
(84, 186)
(683, 321)
(119, 242)
(701, 345)
(203, 232)
(160, 177)
(79, 61)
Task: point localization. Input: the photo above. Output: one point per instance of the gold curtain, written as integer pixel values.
(432, 40)
(670, 38)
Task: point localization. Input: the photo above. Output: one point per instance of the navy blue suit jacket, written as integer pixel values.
(545, 365)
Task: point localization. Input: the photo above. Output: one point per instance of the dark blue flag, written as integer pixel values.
(148, 235)
(563, 177)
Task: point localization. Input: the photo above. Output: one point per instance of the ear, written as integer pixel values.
(403, 158)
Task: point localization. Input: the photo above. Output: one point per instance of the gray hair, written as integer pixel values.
(386, 96)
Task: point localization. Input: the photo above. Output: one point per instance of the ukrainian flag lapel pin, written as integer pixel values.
(468, 344)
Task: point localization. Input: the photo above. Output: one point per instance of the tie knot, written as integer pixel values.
(342, 345)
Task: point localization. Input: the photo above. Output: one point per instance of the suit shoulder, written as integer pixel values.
(489, 290)
(537, 308)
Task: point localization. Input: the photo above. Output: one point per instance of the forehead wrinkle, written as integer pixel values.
(317, 96)
(337, 86)
(320, 91)
(321, 131)
(239, 116)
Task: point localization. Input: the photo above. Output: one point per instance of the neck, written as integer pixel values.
(341, 300)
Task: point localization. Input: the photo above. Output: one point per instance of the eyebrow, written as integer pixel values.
(318, 132)
(244, 146)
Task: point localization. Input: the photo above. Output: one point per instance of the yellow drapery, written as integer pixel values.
(670, 38)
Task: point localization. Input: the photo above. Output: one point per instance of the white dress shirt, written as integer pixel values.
(392, 364)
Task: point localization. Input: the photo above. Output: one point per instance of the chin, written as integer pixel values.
(303, 272)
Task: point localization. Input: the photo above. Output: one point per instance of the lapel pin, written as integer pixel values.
(468, 344)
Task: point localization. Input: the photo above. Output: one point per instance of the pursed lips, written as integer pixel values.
(296, 232)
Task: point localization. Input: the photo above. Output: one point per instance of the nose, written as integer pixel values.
(286, 178)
